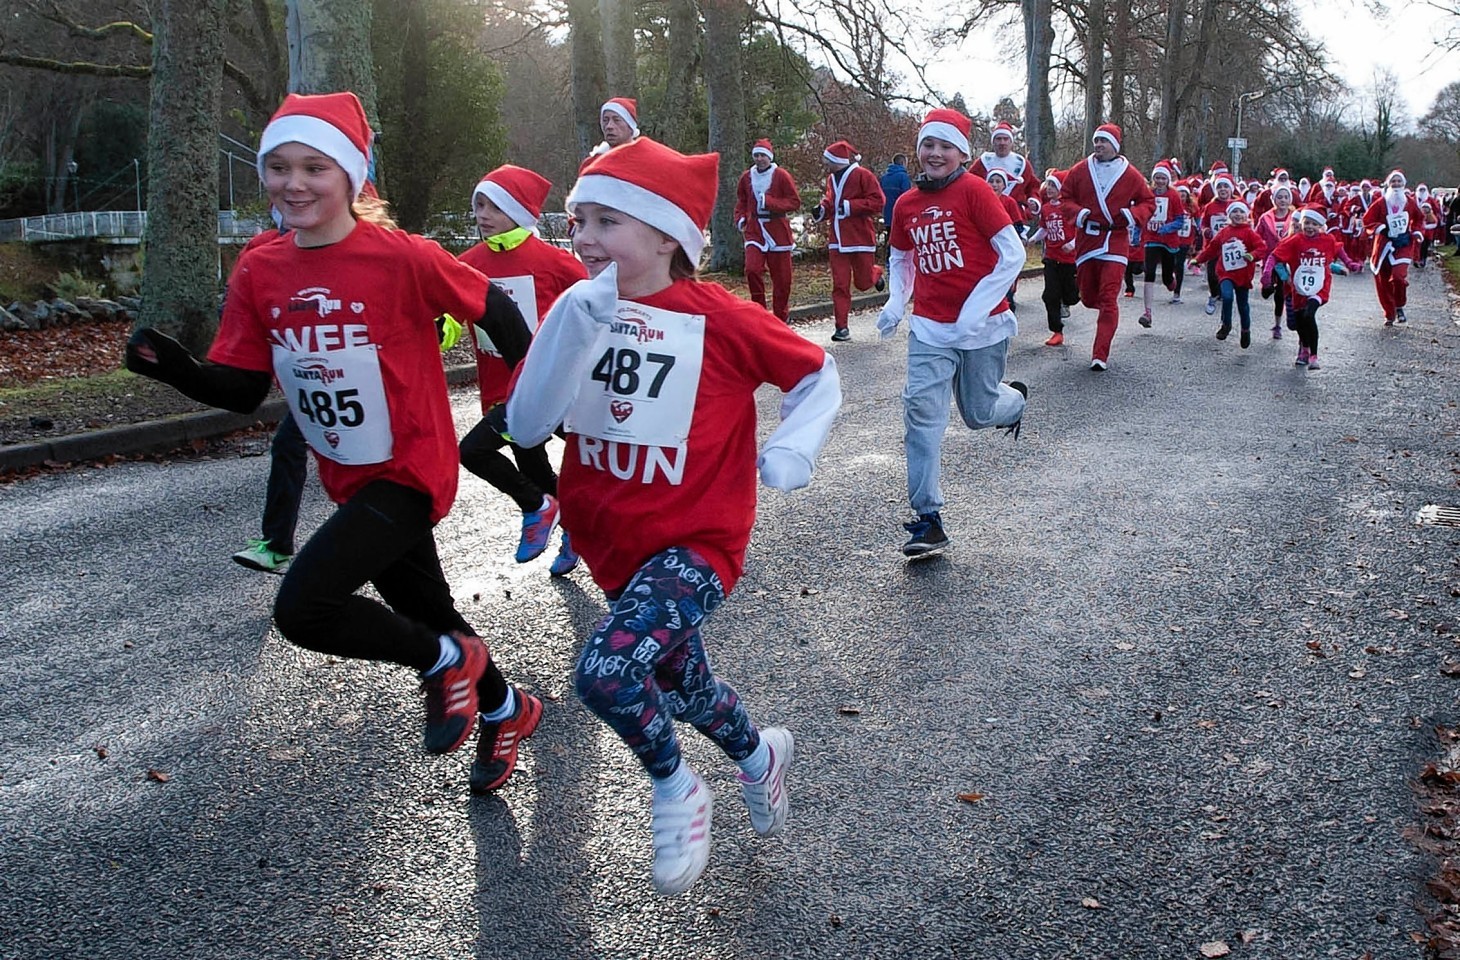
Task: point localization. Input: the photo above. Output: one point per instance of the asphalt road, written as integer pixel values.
(1187, 647)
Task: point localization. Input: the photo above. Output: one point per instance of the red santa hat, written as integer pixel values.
(670, 191)
(945, 123)
(1222, 178)
(1236, 205)
(1315, 214)
(841, 153)
(517, 192)
(1055, 176)
(1282, 188)
(625, 107)
(1328, 173)
(1396, 172)
(1184, 188)
(1280, 173)
(1110, 132)
(1163, 168)
(1218, 166)
(1001, 129)
(763, 146)
(1175, 165)
(996, 172)
(332, 123)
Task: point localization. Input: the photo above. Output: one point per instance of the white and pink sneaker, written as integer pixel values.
(766, 798)
(681, 838)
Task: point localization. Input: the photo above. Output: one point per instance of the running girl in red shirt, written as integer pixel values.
(653, 375)
(1235, 250)
(506, 204)
(1305, 261)
(340, 313)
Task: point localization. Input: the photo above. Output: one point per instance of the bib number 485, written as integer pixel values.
(330, 409)
(618, 371)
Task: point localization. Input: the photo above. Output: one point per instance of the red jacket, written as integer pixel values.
(1106, 216)
(1379, 220)
(1022, 184)
(1247, 241)
(851, 205)
(761, 217)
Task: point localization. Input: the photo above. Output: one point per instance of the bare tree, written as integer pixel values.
(619, 56)
(684, 61)
(588, 83)
(725, 22)
(179, 286)
(1038, 105)
(329, 48)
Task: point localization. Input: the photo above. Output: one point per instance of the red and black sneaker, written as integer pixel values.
(497, 744)
(451, 696)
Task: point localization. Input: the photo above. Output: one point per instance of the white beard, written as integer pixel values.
(1394, 196)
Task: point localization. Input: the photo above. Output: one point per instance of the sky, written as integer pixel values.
(1357, 42)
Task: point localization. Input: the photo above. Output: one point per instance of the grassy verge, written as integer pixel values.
(101, 384)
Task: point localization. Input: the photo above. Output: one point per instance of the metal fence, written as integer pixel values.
(121, 225)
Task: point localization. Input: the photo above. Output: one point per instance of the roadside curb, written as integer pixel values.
(170, 433)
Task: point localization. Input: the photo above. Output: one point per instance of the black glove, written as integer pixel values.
(1267, 291)
(152, 353)
(215, 384)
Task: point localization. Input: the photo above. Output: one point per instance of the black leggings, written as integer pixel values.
(1214, 286)
(382, 536)
(1306, 321)
(1165, 258)
(525, 481)
(1060, 289)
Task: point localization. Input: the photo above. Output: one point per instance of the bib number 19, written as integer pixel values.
(619, 371)
(327, 409)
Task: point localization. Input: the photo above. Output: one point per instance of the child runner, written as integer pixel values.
(341, 313)
(653, 374)
(1163, 241)
(1394, 221)
(1056, 226)
(507, 203)
(955, 253)
(1235, 249)
(1213, 219)
(1273, 227)
(1186, 236)
(999, 182)
(1305, 261)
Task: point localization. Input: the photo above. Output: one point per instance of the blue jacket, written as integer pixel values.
(894, 183)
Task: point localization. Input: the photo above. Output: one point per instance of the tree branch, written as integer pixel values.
(80, 67)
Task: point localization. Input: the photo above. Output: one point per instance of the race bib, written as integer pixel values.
(1398, 222)
(1185, 230)
(1219, 220)
(338, 399)
(1308, 279)
(644, 380)
(1234, 256)
(523, 293)
(1163, 205)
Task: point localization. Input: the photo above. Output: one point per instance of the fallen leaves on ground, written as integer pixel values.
(971, 797)
(158, 776)
(1215, 948)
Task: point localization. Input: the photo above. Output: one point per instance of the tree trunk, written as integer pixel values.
(180, 284)
(1038, 107)
(1175, 29)
(1120, 65)
(724, 24)
(619, 57)
(329, 49)
(679, 87)
(1094, 67)
(586, 59)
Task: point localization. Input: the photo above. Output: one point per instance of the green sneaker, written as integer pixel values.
(258, 556)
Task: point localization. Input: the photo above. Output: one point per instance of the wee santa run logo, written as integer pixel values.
(935, 241)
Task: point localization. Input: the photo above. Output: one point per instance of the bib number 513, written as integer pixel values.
(619, 371)
(327, 409)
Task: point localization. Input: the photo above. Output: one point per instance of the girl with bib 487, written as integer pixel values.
(653, 375)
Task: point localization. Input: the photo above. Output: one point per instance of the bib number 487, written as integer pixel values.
(619, 371)
(331, 409)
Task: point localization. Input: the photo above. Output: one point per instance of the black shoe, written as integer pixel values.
(1399, 316)
(1246, 338)
(1223, 330)
(928, 538)
(842, 334)
(1013, 428)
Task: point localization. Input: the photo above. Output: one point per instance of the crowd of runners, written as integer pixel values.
(649, 377)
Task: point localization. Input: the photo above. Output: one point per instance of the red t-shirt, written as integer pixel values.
(624, 502)
(1057, 219)
(949, 232)
(346, 311)
(1249, 241)
(550, 269)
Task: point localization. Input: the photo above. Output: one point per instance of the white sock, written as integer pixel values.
(450, 654)
(755, 766)
(677, 785)
(505, 711)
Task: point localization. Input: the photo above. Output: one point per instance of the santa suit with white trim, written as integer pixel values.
(1113, 196)
(955, 253)
(1393, 216)
(763, 198)
(850, 206)
(1020, 180)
